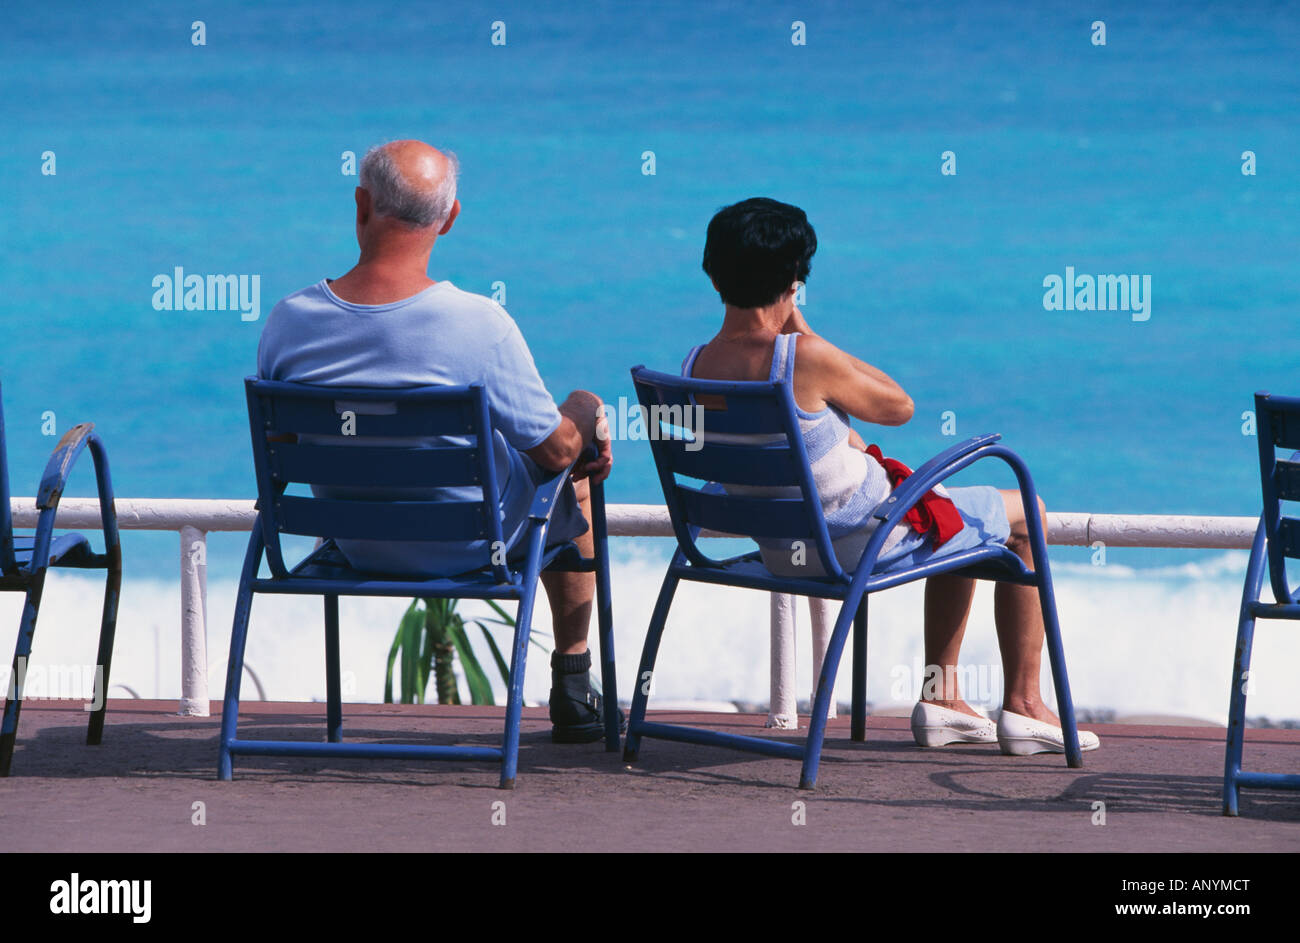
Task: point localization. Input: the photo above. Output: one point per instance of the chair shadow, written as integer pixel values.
(989, 783)
(982, 786)
(189, 751)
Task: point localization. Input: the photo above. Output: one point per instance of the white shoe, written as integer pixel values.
(1020, 736)
(933, 726)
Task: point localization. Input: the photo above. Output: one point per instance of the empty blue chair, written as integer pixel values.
(24, 561)
(426, 437)
(751, 437)
(1277, 423)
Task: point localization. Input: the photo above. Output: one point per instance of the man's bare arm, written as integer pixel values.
(577, 429)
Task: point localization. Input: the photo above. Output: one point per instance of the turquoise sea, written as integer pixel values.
(1124, 158)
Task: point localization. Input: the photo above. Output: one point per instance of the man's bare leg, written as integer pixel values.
(575, 711)
(570, 594)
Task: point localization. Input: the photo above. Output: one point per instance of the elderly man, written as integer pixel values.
(387, 324)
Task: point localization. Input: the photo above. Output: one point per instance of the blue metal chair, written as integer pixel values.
(774, 456)
(1277, 422)
(296, 440)
(24, 562)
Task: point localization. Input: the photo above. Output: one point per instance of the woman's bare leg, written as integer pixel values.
(947, 606)
(1019, 617)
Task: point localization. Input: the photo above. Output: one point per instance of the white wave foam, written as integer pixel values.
(1136, 642)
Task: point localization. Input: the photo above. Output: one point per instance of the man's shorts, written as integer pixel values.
(567, 520)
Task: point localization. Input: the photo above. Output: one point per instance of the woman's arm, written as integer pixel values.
(858, 388)
(855, 386)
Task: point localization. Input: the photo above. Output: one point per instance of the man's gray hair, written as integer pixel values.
(392, 195)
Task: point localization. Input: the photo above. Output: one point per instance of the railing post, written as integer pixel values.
(784, 710)
(194, 622)
(823, 623)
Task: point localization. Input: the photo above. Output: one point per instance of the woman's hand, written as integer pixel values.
(795, 324)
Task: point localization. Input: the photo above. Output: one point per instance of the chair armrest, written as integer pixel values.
(921, 481)
(915, 487)
(60, 464)
(905, 497)
(55, 479)
(549, 490)
(547, 493)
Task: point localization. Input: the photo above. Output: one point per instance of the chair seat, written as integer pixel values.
(995, 562)
(326, 570)
(1273, 610)
(68, 550)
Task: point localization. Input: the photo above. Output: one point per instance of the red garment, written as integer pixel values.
(932, 511)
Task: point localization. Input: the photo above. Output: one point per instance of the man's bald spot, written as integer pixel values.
(421, 166)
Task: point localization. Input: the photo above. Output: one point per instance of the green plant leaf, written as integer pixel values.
(502, 667)
(393, 652)
(508, 620)
(399, 640)
(480, 689)
(412, 632)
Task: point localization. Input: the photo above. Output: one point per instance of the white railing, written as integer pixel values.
(194, 519)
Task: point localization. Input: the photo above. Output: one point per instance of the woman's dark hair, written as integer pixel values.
(756, 249)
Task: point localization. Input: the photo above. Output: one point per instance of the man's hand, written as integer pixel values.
(582, 414)
(599, 469)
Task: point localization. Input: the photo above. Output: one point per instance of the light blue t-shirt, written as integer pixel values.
(441, 337)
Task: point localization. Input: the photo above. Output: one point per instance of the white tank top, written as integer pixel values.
(850, 484)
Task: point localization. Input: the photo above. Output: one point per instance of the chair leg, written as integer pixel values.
(1052, 631)
(605, 618)
(1237, 715)
(22, 654)
(645, 672)
(812, 751)
(859, 726)
(515, 696)
(104, 659)
(1241, 675)
(235, 664)
(333, 690)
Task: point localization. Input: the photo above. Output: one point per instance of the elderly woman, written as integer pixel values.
(756, 253)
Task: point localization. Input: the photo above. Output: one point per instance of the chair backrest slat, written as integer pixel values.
(1288, 536)
(368, 413)
(742, 409)
(747, 517)
(386, 520)
(433, 446)
(1278, 426)
(346, 463)
(1286, 480)
(729, 438)
(761, 465)
(1284, 424)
